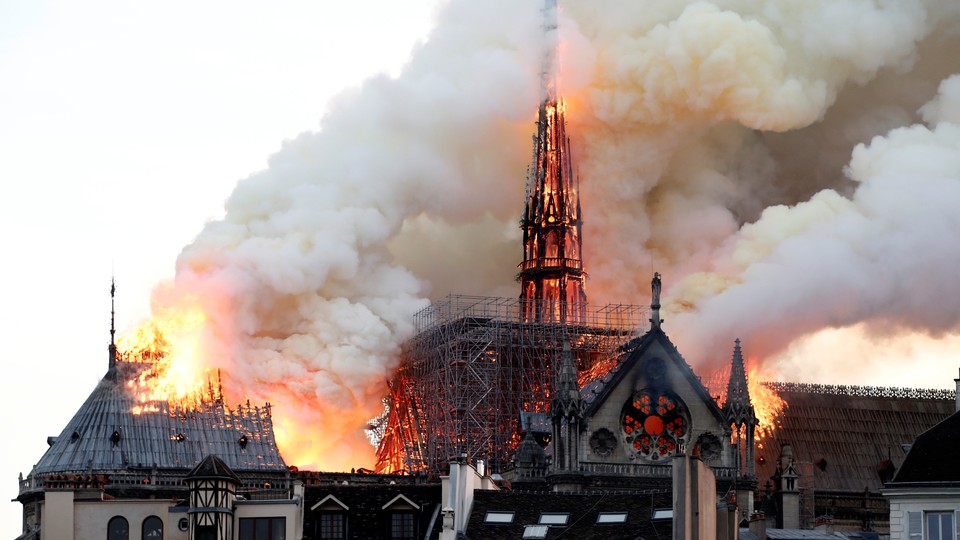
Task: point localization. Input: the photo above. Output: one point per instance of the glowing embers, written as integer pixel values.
(767, 404)
(169, 347)
(655, 423)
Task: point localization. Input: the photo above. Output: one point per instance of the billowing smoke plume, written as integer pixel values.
(308, 304)
(711, 140)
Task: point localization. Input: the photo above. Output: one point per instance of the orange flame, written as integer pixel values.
(766, 403)
(170, 343)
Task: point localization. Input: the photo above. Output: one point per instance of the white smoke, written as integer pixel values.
(308, 303)
(710, 138)
(704, 118)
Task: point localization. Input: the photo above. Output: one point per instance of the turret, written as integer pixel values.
(567, 408)
(740, 415)
(788, 490)
(738, 409)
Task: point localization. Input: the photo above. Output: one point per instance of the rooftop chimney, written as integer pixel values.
(957, 382)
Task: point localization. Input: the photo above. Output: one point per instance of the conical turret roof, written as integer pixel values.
(106, 434)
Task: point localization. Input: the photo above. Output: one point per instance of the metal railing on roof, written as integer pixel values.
(863, 391)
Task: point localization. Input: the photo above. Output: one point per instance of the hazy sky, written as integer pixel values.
(123, 128)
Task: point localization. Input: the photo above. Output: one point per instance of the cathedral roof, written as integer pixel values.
(844, 438)
(596, 392)
(933, 455)
(107, 435)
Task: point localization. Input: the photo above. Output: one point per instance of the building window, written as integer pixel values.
(535, 531)
(554, 518)
(152, 528)
(662, 514)
(333, 525)
(402, 526)
(118, 528)
(495, 516)
(612, 517)
(263, 528)
(205, 532)
(939, 526)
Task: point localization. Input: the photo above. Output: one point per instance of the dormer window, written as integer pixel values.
(330, 518)
(401, 518)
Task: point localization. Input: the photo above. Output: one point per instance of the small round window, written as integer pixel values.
(655, 423)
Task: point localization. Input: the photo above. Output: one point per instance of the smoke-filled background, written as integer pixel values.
(792, 168)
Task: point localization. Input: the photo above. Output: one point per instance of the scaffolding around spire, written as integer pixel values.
(475, 364)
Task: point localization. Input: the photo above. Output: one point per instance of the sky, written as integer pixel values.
(123, 128)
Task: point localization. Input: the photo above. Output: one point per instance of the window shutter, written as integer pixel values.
(914, 525)
(956, 524)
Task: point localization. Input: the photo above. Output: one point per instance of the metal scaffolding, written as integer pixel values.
(474, 364)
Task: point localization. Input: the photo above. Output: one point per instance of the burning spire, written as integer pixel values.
(551, 274)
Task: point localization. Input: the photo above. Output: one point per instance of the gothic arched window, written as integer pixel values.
(118, 528)
(553, 245)
(152, 528)
(655, 423)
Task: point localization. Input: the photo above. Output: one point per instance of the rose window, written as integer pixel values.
(655, 423)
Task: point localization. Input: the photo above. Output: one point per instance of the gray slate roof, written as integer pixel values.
(582, 510)
(842, 437)
(933, 456)
(105, 435)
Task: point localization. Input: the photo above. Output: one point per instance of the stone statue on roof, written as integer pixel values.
(655, 301)
(655, 285)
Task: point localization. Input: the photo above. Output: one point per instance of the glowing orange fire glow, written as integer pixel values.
(766, 403)
(170, 344)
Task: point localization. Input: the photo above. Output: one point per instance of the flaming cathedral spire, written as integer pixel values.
(551, 275)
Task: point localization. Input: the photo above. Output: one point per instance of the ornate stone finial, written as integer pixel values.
(655, 286)
(738, 407)
(567, 400)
